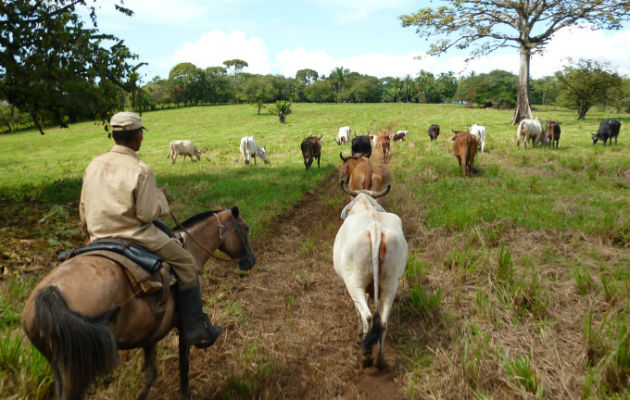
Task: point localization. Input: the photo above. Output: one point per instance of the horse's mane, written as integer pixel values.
(192, 221)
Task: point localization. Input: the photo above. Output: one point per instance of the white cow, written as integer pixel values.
(530, 129)
(480, 133)
(370, 247)
(183, 148)
(343, 137)
(249, 148)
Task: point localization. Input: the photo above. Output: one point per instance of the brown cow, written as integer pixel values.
(311, 148)
(552, 133)
(356, 171)
(384, 142)
(465, 148)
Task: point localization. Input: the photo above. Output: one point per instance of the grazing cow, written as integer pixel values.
(434, 131)
(250, 149)
(370, 252)
(343, 137)
(608, 129)
(311, 148)
(361, 145)
(356, 171)
(183, 148)
(530, 129)
(480, 133)
(552, 133)
(400, 135)
(465, 148)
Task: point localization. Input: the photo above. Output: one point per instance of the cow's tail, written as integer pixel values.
(376, 330)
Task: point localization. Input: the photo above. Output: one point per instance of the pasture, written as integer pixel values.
(517, 279)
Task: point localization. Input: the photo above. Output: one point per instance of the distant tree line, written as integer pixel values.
(580, 86)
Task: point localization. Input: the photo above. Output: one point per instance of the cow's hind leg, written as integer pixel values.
(150, 370)
(360, 302)
(320, 156)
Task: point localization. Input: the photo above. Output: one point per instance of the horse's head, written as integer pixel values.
(234, 240)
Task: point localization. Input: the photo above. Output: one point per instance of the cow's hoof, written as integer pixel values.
(368, 362)
(380, 363)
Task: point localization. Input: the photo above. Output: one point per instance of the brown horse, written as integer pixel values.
(83, 311)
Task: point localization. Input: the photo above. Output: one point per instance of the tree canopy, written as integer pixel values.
(584, 84)
(484, 26)
(58, 70)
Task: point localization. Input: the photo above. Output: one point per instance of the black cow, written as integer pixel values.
(311, 148)
(434, 131)
(608, 129)
(361, 145)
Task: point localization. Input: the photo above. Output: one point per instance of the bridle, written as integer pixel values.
(222, 233)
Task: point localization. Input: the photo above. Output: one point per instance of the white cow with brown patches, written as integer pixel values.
(370, 249)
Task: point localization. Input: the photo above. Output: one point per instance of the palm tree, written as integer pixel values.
(338, 78)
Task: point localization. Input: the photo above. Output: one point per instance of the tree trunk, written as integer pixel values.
(522, 101)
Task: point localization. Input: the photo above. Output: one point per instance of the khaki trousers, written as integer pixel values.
(182, 262)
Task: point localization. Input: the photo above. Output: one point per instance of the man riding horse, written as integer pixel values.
(120, 199)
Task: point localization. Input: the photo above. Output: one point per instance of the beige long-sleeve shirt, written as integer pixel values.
(120, 198)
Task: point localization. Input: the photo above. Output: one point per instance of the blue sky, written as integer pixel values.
(281, 37)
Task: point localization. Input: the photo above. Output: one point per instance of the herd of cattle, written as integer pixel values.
(370, 250)
(465, 143)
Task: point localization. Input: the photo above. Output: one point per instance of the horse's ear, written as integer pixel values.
(235, 212)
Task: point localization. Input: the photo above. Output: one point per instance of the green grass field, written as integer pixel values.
(519, 275)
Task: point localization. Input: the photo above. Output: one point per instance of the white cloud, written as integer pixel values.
(583, 43)
(212, 48)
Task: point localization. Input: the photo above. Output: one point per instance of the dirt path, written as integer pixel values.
(293, 332)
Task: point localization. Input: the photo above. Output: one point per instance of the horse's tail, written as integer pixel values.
(82, 346)
(376, 330)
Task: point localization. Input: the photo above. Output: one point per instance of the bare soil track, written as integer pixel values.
(293, 331)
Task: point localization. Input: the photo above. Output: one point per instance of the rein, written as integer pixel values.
(211, 253)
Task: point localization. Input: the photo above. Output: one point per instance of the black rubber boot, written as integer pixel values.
(194, 323)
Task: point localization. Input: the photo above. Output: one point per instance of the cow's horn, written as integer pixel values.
(341, 155)
(344, 187)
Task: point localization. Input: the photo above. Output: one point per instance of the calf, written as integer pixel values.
(465, 148)
(608, 129)
(552, 133)
(356, 171)
(343, 136)
(370, 252)
(400, 135)
(434, 131)
(384, 141)
(250, 149)
(480, 133)
(183, 148)
(311, 148)
(530, 129)
(361, 145)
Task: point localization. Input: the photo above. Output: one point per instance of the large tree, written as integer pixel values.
(527, 25)
(584, 84)
(237, 65)
(55, 68)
